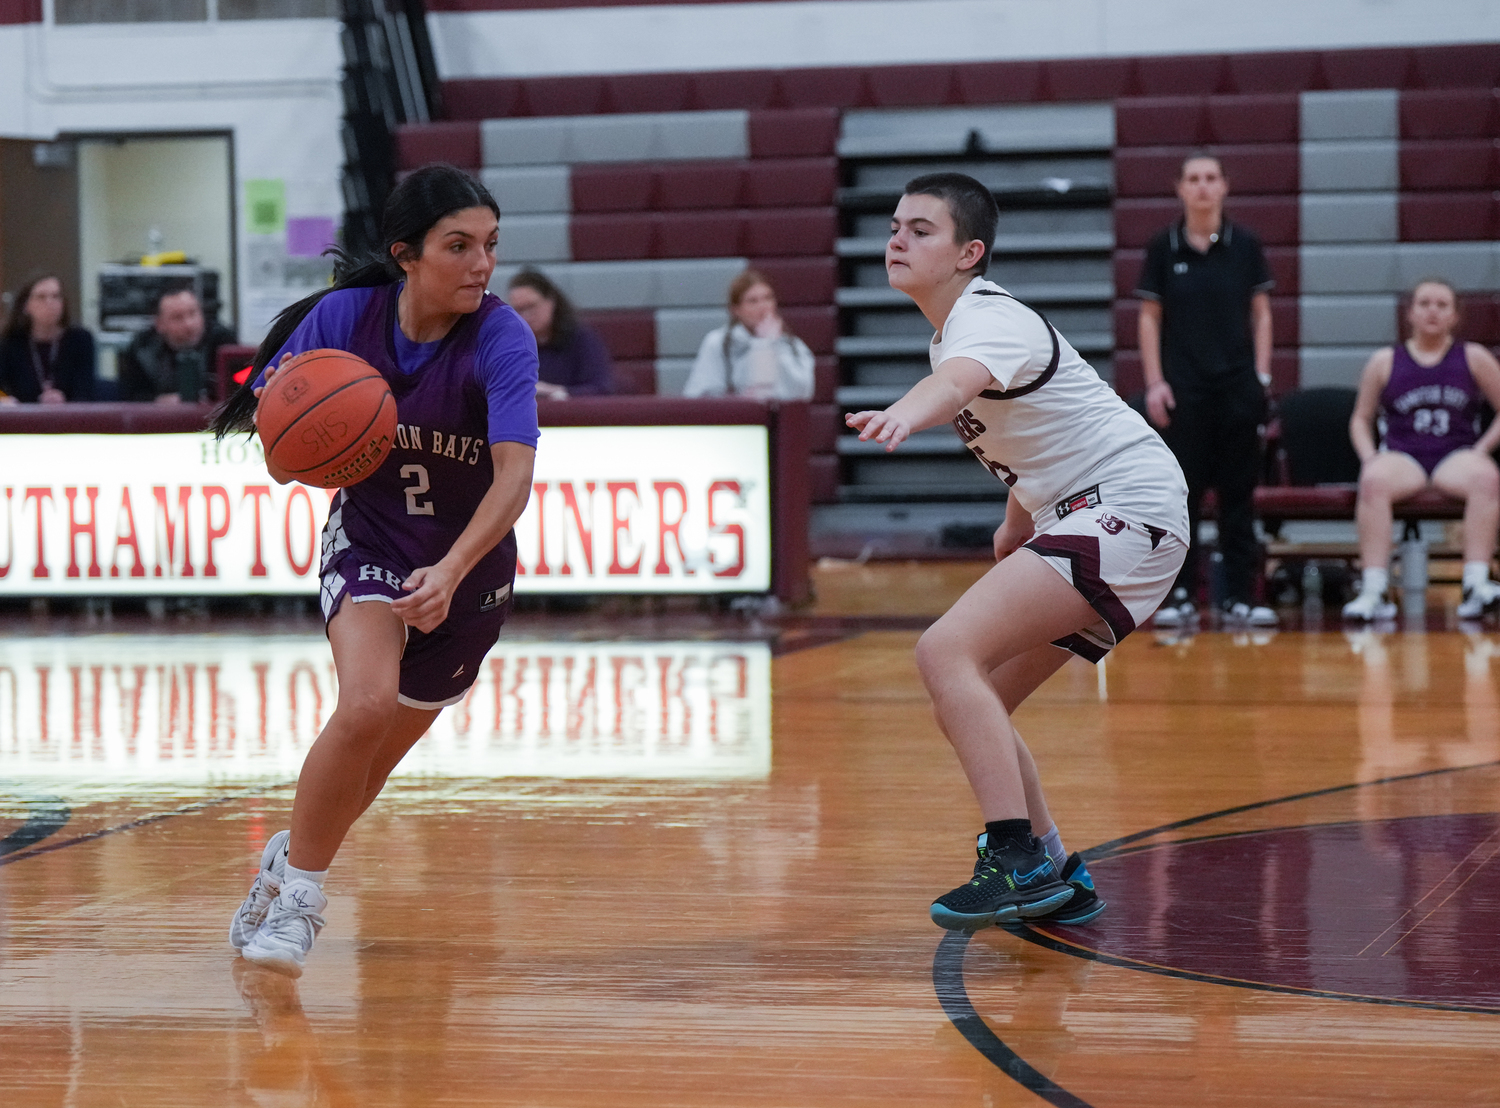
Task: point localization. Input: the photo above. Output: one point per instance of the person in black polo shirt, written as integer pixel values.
(1205, 334)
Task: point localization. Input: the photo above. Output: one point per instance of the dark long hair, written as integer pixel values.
(18, 323)
(564, 315)
(414, 207)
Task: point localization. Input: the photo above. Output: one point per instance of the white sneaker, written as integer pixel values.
(292, 923)
(1477, 601)
(267, 884)
(1177, 611)
(1368, 606)
(1247, 616)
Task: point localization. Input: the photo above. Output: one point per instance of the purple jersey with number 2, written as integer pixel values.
(1430, 411)
(411, 510)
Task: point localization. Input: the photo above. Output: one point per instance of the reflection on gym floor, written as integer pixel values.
(204, 708)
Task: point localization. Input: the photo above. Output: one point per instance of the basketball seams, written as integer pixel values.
(322, 400)
(340, 461)
(357, 444)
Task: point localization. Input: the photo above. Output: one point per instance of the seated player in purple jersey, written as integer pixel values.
(1428, 392)
(418, 559)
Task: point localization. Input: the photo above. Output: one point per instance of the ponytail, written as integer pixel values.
(412, 209)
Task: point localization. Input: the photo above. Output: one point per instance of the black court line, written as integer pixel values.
(48, 816)
(143, 821)
(948, 970)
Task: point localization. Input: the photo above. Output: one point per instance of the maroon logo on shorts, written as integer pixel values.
(1113, 524)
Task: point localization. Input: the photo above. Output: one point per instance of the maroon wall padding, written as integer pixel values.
(699, 185)
(1356, 69)
(825, 379)
(1192, 74)
(791, 183)
(1447, 216)
(1450, 113)
(635, 377)
(700, 235)
(566, 95)
(801, 280)
(1087, 78)
(454, 143)
(823, 478)
(842, 87)
(823, 423)
(1269, 117)
(1127, 267)
(20, 11)
(1472, 65)
(1450, 164)
(911, 86)
(1162, 121)
(103, 419)
(612, 188)
(619, 237)
(1266, 169)
(1480, 318)
(650, 92)
(1277, 72)
(1275, 219)
(746, 89)
(626, 334)
(816, 326)
(790, 499)
(835, 87)
(809, 132)
(778, 232)
(998, 83)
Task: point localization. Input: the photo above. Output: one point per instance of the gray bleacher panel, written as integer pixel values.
(1349, 217)
(947, 130)
(1342, 320)
(534, 238)
(1363, 165)
(1365, 113)
(654, 136)
(680, 331)
(533, 188)
(672, 375)
(1470, 266)
(1351, 268)
(679, 282)
(1337, 366)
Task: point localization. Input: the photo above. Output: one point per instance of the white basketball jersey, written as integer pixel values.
(1053, 429)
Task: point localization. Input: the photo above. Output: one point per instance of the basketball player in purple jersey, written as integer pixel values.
(1429, 391)
(418, 559)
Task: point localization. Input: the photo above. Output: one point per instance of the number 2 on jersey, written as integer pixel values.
(415, 507)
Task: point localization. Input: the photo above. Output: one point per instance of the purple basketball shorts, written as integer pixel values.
(437, 666)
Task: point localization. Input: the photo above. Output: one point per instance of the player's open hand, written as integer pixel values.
(880, 426)
(429, 592)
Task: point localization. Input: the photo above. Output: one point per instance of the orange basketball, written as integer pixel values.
(327, 419)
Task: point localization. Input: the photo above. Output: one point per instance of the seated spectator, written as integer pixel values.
(174, 362)
(572, 359)
(753, 354)
(1429, 392)
(43, 358)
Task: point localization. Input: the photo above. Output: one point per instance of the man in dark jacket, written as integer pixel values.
(174, 361)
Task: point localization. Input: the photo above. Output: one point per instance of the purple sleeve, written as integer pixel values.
(507, 364)
(594, 371)
(327, 327)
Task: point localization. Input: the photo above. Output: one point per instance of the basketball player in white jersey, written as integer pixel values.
(1095, 531)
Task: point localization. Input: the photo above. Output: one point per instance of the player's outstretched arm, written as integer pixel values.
(931, 401)
(430, 588)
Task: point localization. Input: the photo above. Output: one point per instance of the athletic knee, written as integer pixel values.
(364, 712)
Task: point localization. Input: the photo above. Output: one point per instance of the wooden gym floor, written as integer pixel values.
(679, 859)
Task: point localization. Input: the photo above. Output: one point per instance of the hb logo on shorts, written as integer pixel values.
(489, 601)
(376, 573)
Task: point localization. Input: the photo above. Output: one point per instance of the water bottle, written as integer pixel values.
(1312, 584)
(1413, 573)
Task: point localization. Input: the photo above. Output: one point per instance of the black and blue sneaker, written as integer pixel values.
(1012, 881)
(1085, 904)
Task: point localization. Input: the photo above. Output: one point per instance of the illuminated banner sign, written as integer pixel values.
(213, 708)
(613, 509)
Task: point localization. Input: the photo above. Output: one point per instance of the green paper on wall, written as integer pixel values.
(265, 206)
